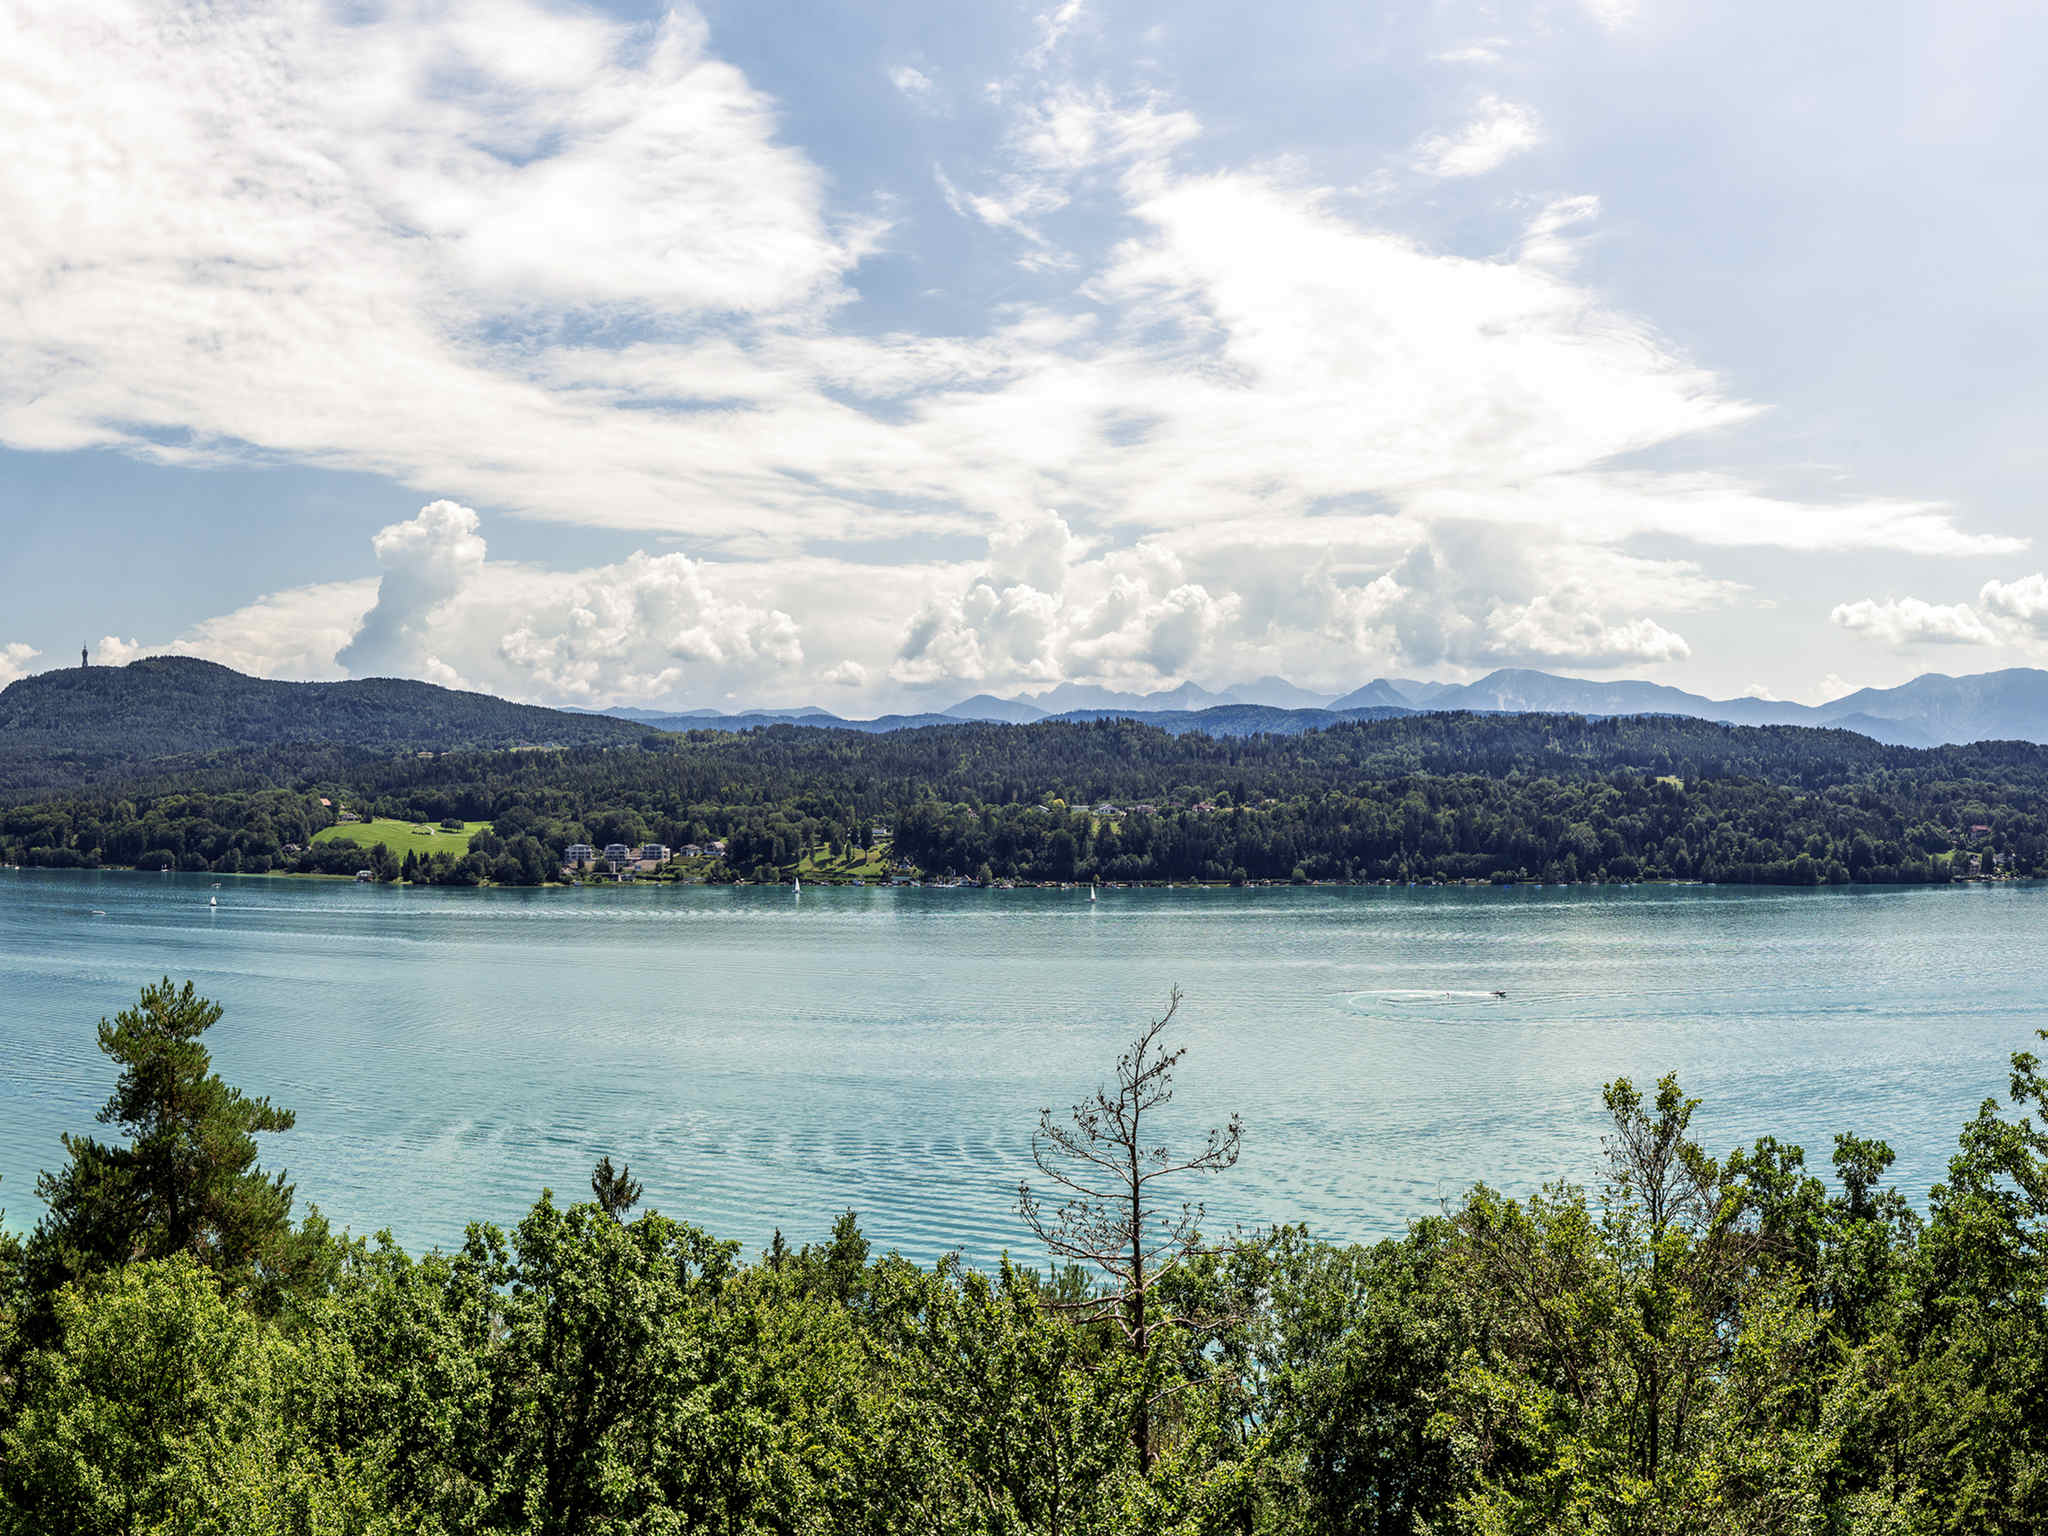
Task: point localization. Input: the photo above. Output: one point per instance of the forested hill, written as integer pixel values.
(173, 705)
(1451, 796)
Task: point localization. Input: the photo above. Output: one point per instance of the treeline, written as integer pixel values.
(1437, 797)
(1699, 1344)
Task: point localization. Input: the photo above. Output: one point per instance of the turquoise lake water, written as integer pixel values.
(765, 1062)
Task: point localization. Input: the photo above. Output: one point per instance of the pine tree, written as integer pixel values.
(615, 1190)
(186, 1179)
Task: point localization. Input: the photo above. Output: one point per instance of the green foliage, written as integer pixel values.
(185, 1181)
(161, 1405)
(1453, 797)
(1698, 1344)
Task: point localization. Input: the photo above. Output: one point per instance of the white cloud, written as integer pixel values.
(1709, 509)
(1547, 242)
(913, 82)
(1033, 551)
(1173, 608)
(1053, 26)
(648, 627)
(1073, 130)
(292, 634)
(15, 657)
(1498, 131)
(1909, 621)
(1611, 14)
(1562, 628)
(1485, 50)
(567, 268)
(2022, 603)
(427, 562)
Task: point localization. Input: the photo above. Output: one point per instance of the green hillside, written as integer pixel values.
(172, 705)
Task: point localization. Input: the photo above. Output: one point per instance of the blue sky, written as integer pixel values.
(871, 356)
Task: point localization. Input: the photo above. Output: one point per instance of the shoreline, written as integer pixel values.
(1071, 886)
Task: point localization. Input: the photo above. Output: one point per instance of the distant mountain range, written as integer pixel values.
(1931, 710)
(166, 707)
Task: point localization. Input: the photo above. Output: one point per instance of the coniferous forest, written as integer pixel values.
(1745, 1342)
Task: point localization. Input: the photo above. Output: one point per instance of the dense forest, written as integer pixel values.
(1700, 1343)
(101, 722)
(1434, 797)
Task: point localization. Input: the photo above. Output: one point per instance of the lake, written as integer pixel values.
(765, 1061)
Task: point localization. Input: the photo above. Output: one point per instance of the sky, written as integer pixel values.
(873, 355)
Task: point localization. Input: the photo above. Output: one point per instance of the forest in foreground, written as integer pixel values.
(1435, 797)
(1739, 1343)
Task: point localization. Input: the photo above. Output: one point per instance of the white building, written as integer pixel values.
(579, 853)
(655, 851)
(618, 853)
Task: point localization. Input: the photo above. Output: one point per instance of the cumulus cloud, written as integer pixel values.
(1561, 628)
(1497, 132)
(426, 561)
(1908, 621)
(649, 629)
(15, 657)
(2022, 603)
(1033, 552)
(567, 266)
(1167, 609)
(642, 629)
(2005, 613)
(293, 634)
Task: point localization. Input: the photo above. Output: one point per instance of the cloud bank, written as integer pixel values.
(569, 268)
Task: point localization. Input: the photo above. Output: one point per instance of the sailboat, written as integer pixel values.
(796, 885)
(1091, 890)
(213, 901)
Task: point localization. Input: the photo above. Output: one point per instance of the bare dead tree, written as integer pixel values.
(1104, 1213)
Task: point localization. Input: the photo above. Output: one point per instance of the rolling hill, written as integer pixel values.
(174, 705)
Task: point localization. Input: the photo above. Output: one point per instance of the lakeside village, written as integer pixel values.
(402, 852)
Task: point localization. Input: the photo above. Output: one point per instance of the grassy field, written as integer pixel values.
(403, 837)
(869, 863)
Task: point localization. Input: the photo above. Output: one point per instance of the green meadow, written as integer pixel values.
(403, 837)
(867, 863)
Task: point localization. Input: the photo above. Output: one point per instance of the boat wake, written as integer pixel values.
(1424, 997)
